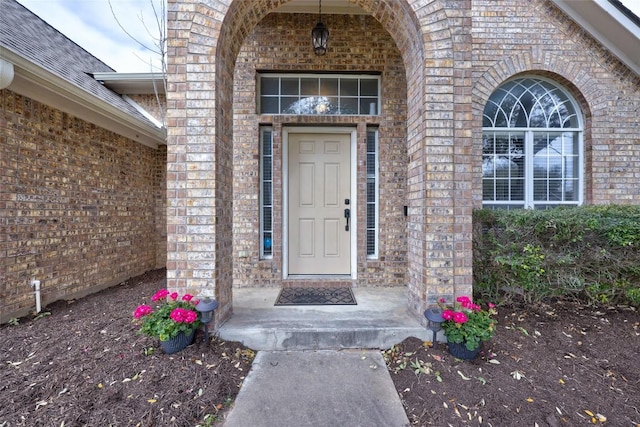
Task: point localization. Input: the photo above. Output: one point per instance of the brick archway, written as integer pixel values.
(204, 44)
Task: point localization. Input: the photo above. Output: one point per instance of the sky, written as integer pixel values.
(91, 24)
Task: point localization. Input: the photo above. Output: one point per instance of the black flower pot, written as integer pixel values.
(177, 343)
(460, 351)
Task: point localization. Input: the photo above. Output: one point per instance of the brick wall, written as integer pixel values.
(454, 53)
(357, 44)
(541, 40)
(155, 105)
(81, 208)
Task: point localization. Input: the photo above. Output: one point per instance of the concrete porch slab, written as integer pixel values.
(379, 320)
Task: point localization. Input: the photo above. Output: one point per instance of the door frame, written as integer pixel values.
(352, 132)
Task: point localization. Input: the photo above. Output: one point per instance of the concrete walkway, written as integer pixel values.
(350, 388)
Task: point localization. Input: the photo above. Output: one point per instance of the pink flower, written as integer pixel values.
(492, 305)
(463, 300)
(195, 301)
(187, 297)
(181, 315)
(174, 296)
(475, 307)
(142, 311)
(447, 314)
(190, 316)
(460, 317)
(162, 293)
(442, 300)
(178, 314)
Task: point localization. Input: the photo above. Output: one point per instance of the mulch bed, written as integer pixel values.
(560, 365)
(83, 364)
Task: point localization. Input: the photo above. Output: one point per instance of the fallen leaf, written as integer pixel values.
(455, 409)
(463, 376)
(517, 375)
(601, 418)
(99, 385)
(151, 400)
(561, 381)
(529, 399)
(494, 362)
(588, 412)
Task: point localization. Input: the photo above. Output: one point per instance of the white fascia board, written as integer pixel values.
(609, 26)
(35, 82)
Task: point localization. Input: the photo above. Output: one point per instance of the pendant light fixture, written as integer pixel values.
(320, 34)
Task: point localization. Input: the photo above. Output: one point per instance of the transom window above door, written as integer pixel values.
(325, 94)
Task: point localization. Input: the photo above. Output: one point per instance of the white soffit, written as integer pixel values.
(132, 83)
(607, 24)
(329, 7)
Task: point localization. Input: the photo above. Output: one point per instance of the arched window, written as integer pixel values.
(532, 150)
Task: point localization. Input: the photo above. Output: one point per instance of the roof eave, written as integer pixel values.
(43, 86)
(609, 25)
(132, 83)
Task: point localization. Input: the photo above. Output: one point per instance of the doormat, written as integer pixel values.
(316, 296)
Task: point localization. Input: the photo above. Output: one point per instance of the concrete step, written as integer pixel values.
(379, 320)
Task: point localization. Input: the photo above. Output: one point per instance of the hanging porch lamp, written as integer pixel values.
(320, 34)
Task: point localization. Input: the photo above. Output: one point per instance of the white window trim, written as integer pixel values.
(376, 252)
(262, 254)
(529, 203)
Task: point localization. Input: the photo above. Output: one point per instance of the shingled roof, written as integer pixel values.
(32, 39)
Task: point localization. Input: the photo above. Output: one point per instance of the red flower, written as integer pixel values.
(141, 311)
(463, 300)
(162, 293)
(447, 314)
(460, 317)
(187, 297)
(174, 296)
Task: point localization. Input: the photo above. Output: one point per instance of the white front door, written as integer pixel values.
(319, 234)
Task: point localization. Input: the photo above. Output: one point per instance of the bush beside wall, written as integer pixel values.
(590, 253)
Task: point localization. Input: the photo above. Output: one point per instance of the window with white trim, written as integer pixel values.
(532, 148)
(266, 192)
(372, 193)
(325, 94)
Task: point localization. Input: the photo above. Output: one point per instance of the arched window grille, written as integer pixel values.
(532, 146)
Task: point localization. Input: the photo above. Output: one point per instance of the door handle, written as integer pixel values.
(347, 215)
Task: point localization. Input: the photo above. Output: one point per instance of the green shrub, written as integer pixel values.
(589, 253)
